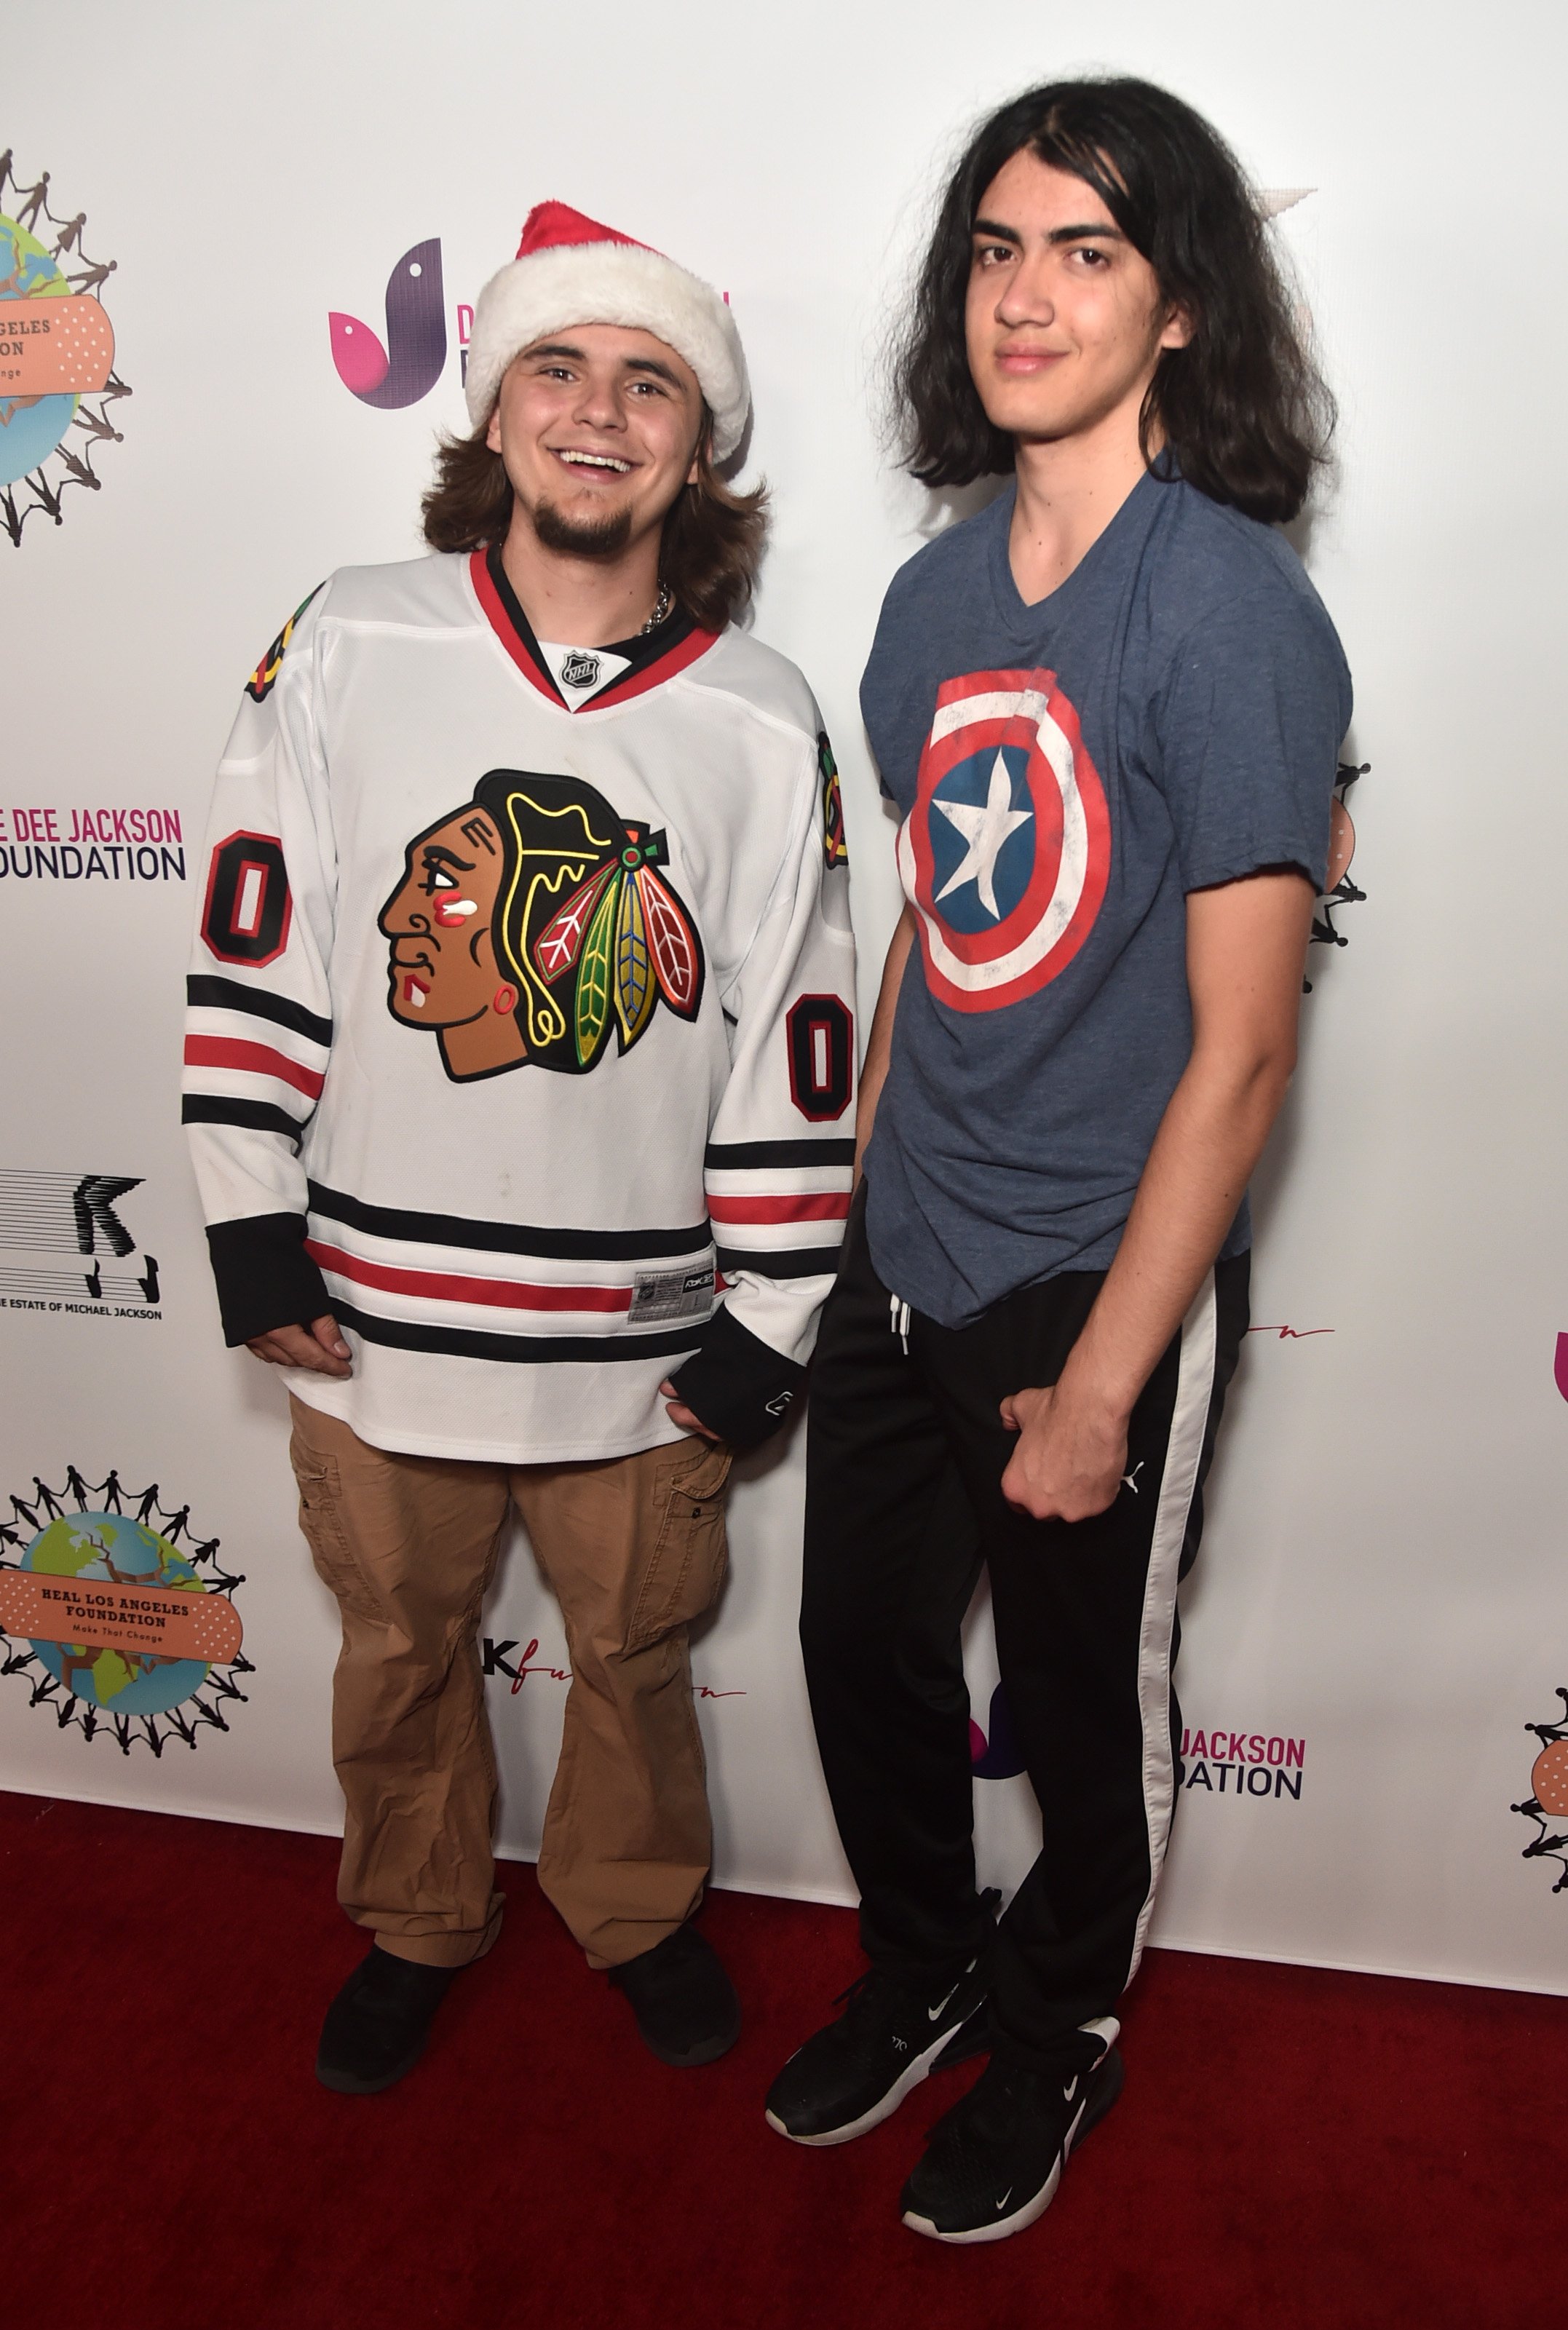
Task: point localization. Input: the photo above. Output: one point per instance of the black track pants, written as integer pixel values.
(906, 1453)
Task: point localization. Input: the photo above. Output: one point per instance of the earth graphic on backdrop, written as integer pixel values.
(31, 426)
(112, 1547)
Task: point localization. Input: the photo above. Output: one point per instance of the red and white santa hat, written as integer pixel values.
(568, 270)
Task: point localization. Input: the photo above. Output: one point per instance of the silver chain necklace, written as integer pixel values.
(661, 607)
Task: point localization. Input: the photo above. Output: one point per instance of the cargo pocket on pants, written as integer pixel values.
(321, 1523)
(690, 1551)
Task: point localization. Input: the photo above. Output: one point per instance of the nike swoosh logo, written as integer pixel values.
(933, 2011)
(1071, 2091)
(1004, 2200)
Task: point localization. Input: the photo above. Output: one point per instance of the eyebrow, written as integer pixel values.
(653, 364)
(631, 363)
(1100, 229)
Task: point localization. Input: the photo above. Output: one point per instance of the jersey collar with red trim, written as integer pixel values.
(654, 656)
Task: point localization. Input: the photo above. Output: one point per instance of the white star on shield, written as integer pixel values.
(987, 831)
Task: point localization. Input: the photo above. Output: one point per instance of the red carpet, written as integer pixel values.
(1292, 2148)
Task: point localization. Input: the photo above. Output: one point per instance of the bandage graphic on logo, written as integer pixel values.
(1006, 853)
(54, 347)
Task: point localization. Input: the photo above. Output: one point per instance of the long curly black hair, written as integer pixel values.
(1242, 408)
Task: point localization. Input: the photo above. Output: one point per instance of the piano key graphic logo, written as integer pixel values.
(67, 1245)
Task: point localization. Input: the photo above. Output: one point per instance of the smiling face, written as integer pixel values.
(442, 973)
(598, 427)
(1064, 319)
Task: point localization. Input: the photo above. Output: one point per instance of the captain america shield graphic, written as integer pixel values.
(1007, 851)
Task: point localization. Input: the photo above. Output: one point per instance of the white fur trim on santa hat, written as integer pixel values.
(610, 283)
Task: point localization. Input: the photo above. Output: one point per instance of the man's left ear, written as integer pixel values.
(1178, 331)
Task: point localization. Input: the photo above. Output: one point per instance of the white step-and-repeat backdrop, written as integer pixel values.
(1376, 1639)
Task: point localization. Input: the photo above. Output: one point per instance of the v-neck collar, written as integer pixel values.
(1022, 616)
(651, 657)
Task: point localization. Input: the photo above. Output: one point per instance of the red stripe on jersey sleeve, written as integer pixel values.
(816, 1206)
(258, 1060)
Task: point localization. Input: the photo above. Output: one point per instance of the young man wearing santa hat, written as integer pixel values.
(520, 1072)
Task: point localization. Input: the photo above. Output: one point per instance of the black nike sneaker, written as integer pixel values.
(378, 2025)
(992, 2162)
(892, 2033)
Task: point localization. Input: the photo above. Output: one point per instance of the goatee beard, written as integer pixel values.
(597, 537)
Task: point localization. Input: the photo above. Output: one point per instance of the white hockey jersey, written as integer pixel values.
(519, 1035)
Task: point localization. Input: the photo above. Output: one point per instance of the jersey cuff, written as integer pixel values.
(737, 1384)
(265, 1278)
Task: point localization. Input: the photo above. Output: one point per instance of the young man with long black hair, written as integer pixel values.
(1109, 709)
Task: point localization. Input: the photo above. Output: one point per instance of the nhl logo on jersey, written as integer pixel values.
(532, 922)
(580, 669)
(1006, 853)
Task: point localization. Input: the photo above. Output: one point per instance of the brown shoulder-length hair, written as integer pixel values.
(713, 537)
(1242, 408)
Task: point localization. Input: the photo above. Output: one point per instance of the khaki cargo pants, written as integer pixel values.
(635, 1549)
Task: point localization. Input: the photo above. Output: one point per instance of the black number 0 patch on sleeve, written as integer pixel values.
(248, 907)
(821, 1048)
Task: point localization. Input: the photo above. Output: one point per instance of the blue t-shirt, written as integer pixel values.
(1169, 718)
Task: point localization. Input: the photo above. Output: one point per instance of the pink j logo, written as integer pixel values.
(409, 365)
(1000, 1758)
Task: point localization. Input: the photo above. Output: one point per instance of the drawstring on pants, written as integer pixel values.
(898, 1321)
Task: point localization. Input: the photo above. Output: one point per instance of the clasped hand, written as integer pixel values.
(1072, 1454)
(319, 1347)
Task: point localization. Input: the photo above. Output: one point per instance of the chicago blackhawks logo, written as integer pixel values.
(1006, 853)
(530, 922)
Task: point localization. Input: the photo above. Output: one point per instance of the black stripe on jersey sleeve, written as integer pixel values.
(254, 1115)
(228, 995)
(750, 1156)
(525, 1350)
(507, 1237)
(790, 1262)
(265, 1278)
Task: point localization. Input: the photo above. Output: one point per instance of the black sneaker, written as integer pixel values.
(376, 2026)
(891, 2035)
(992, 2164)
(685, 2003)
